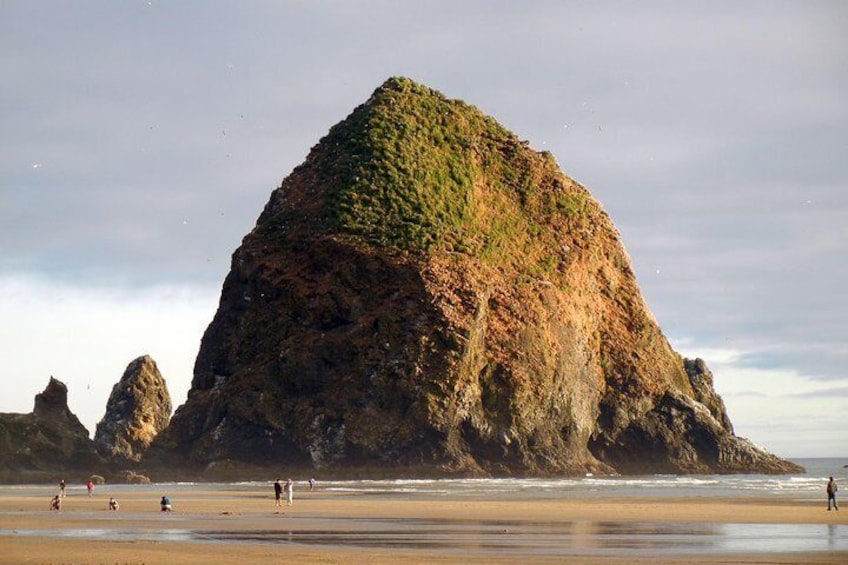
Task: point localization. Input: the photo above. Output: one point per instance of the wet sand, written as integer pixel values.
(244, 526)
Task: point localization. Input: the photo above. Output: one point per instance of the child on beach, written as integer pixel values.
(56, 503)
(113, 504)
(165, 504)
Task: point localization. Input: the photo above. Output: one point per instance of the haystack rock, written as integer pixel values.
(50, 438)
(137, 410)
(426, 294)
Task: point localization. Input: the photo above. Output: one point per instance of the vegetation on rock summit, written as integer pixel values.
(415, 171)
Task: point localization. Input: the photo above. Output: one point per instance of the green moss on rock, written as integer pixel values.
(412, 170)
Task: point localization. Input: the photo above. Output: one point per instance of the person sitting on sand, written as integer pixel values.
(113, 504)
(165, 504)
(56, 503)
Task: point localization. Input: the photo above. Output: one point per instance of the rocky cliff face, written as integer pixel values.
(426, 292)
(138, 408)
(676, 433)
(49, 438)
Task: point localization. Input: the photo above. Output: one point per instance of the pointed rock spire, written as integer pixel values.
(138, 408)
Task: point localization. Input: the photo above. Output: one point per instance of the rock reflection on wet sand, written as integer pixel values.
(526, 538)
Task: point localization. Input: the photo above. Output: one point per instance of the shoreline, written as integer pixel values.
(211, 525)
(227, 471)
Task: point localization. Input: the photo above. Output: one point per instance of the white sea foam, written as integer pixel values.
(785, 486)
(798, 487)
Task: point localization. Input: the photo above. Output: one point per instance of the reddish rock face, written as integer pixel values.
(138, 408)
(426, 293)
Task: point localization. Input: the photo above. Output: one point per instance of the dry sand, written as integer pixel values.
(415, 530)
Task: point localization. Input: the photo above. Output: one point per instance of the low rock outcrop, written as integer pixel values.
(130, 478)
(138, 409)
(50, 438)
(427, 294)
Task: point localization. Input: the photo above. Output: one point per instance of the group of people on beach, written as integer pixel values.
(279, 488)
(89, 486)
(288, 489)
(56, 501)
(165, 503)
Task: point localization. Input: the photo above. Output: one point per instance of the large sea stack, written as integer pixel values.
(138, 408)
(427, 294)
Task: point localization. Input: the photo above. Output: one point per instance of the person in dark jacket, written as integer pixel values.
(278, 493)
(831, 493)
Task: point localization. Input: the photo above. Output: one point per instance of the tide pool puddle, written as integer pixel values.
(524, 538)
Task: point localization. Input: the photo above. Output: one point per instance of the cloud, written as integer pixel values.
(86, 337)
(831, 393)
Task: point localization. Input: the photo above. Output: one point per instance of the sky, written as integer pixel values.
(141, 140)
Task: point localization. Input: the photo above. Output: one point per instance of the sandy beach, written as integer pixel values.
(243, 526)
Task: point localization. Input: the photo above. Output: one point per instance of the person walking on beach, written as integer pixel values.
(289, 492)
(62, 488)
(312, 484)
(90, 486)
(831, 494)
(278, 493)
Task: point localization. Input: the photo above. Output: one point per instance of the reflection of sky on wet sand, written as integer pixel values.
(523, 538)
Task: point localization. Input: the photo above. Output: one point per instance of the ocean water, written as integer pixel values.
(797, 487)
